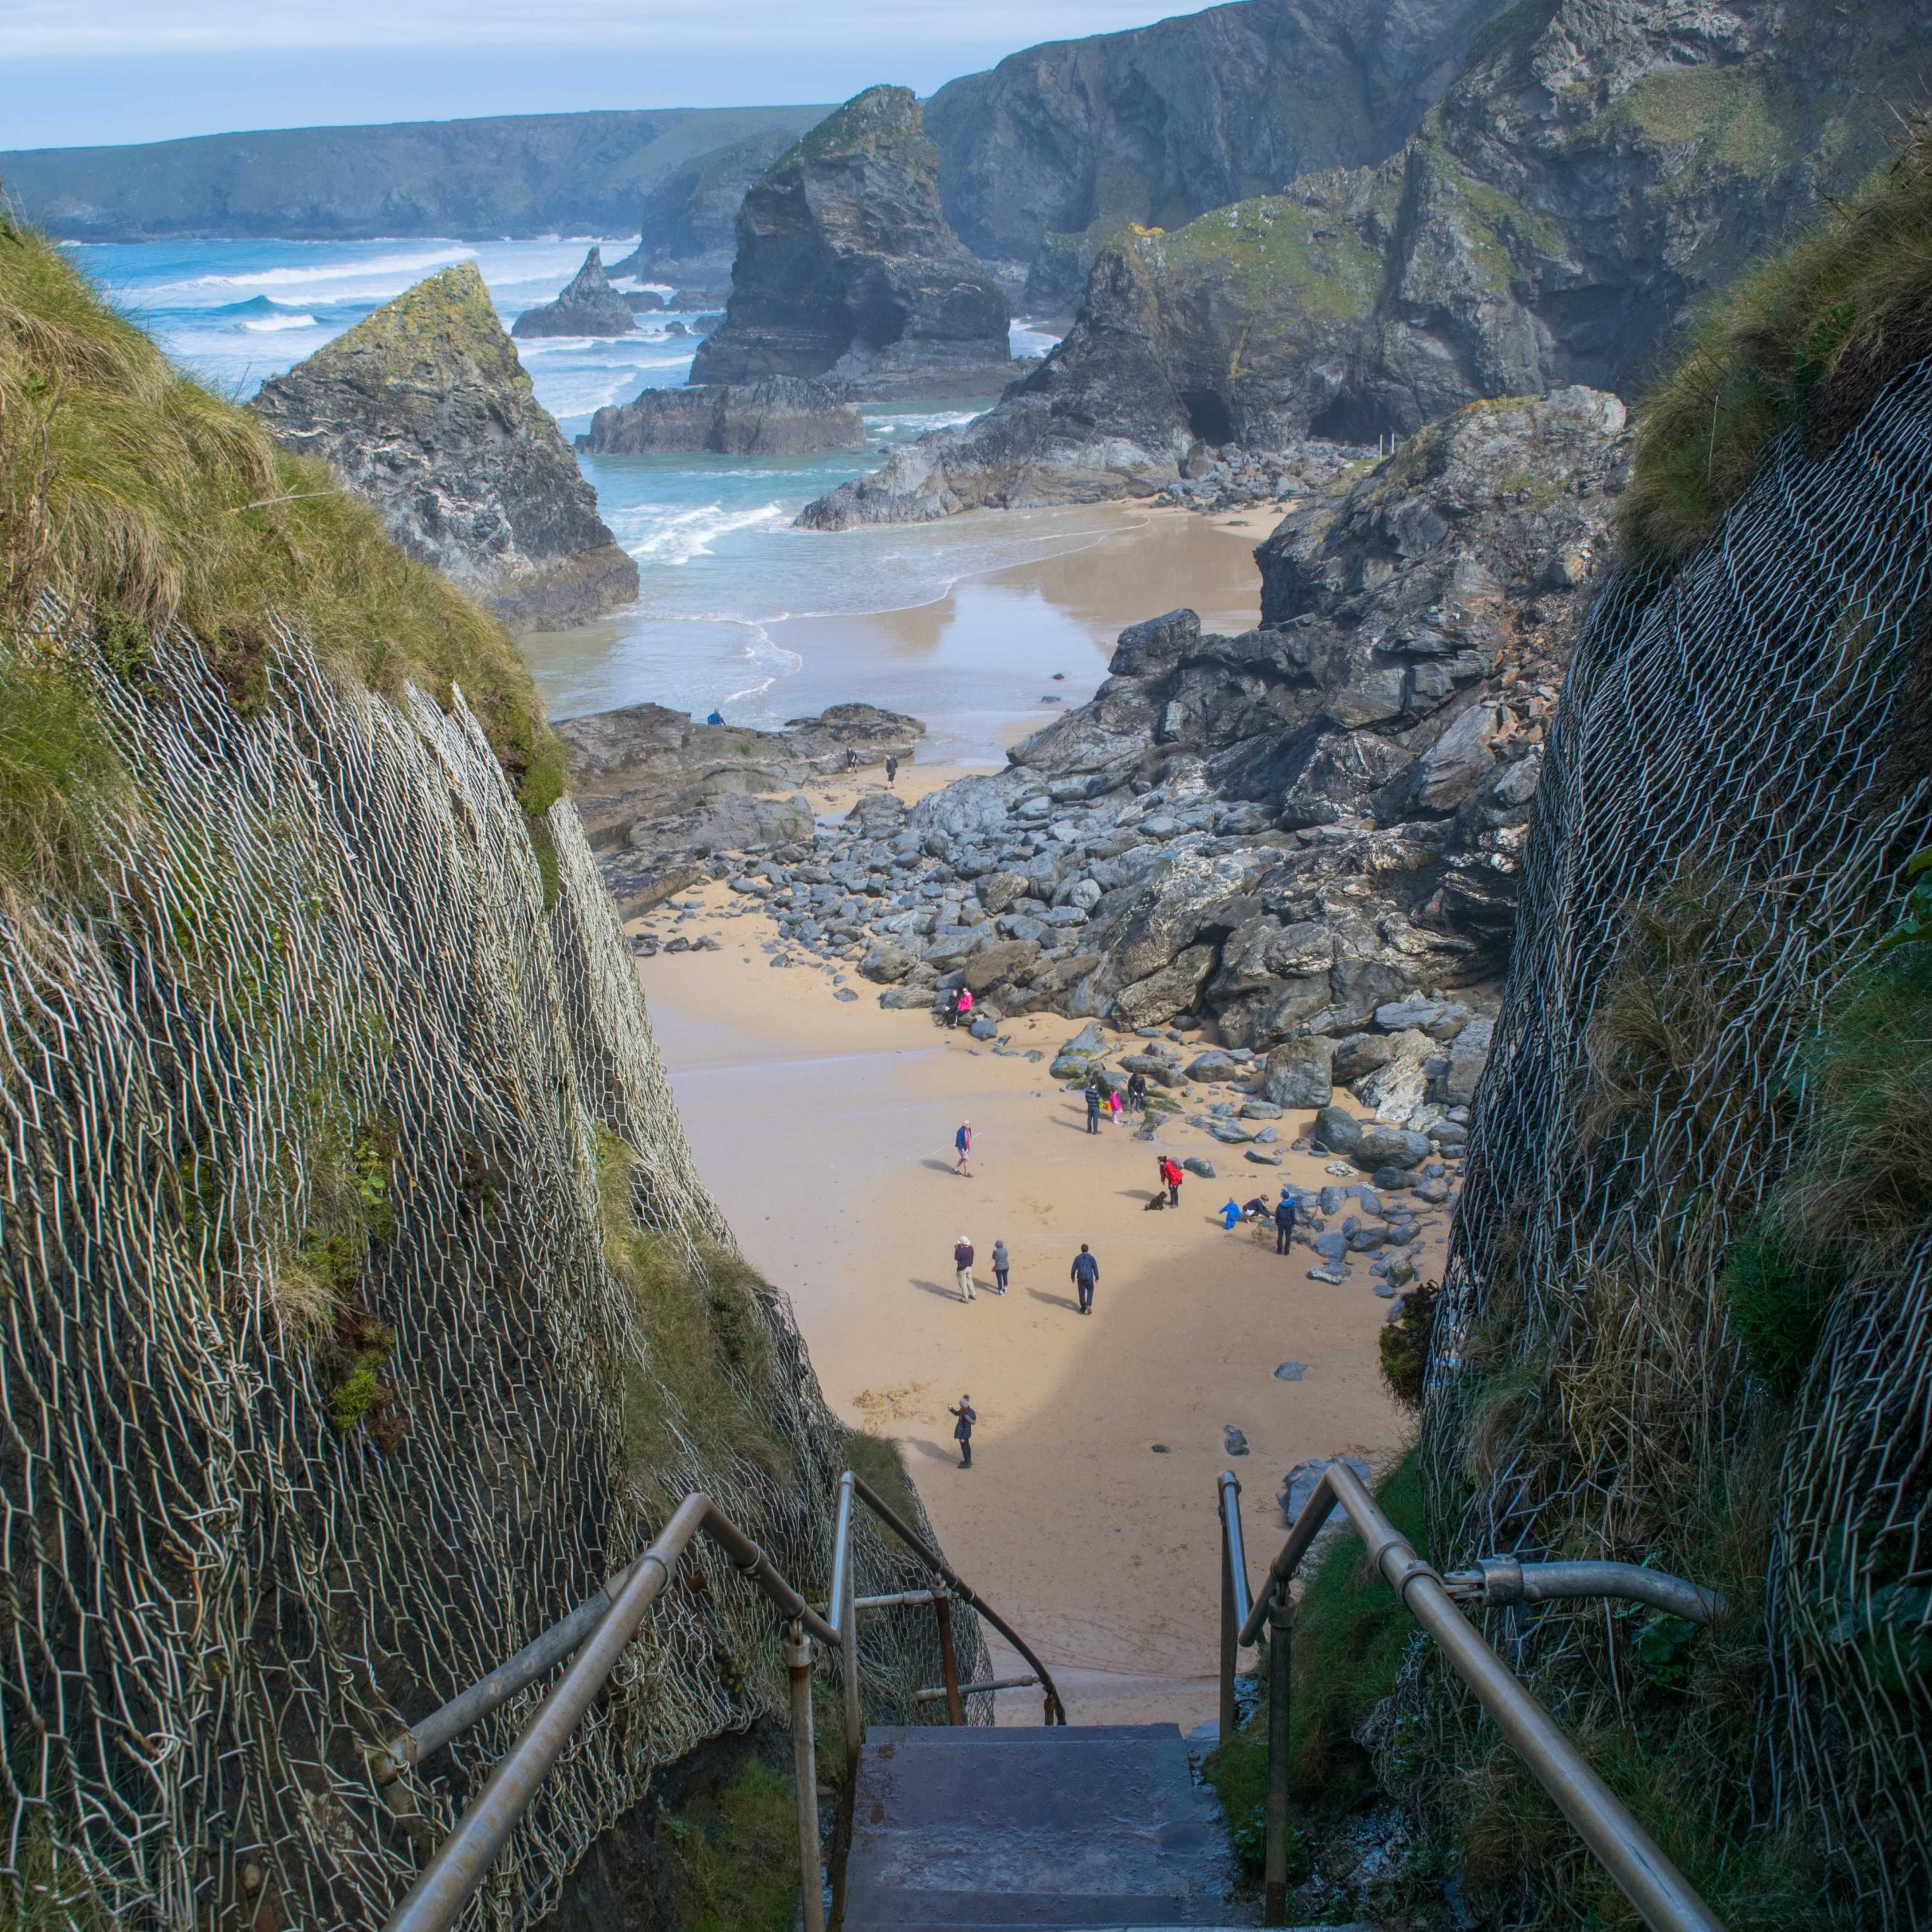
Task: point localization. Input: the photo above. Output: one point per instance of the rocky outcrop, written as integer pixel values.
(1234, 330)
(660, 794)
(1292, 833)
(782, 416)
(1596, 170)
(589, 306)
(688, 234)
(423, 409)
(846, 266)
(1046, 156)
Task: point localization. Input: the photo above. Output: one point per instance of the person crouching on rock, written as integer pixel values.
(1136, 1093)
(952, 1006)
(963, 1011)
(962, 1267)
(962, 1430)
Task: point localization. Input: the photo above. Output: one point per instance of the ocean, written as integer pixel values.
(738, 611)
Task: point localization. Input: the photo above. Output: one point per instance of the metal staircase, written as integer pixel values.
(966, 1828)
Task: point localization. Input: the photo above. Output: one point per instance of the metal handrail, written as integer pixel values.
(1056, 1712)
(452, 1876)
(600, 1628)
(1662, 1896)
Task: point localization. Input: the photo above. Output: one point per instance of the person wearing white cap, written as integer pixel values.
(962, 1267)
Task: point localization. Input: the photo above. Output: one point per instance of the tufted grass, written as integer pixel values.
(128, 490)
(1809, 338)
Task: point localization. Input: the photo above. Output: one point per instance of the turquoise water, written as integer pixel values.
(738, 609)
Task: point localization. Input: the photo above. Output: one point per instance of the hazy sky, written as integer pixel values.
(77, 73)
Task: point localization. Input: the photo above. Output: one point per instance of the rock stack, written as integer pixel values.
(423, 409)
(589, 306)
(846, 267)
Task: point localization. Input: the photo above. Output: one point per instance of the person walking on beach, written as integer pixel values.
(1001, 1263)
(1092, 1106)
(1171, 1179)
(1113, 1106)
(891, 768)
(962, 1143)
(962, 1267)
(1284, 1221)
(962, 1429)
(851, 761)
(1086, 1272)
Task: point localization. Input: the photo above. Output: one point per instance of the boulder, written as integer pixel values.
(1335, 1131)
(1212, 1066)
(1169, 990)
(1376, 1147)
(1003, 960)
(887, 965)
(1298, 1485)
(1469, 1055)
(1297, 1074)
(1397, 1087)
(1199, 1163)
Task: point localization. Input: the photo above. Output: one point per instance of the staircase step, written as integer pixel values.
(1092, 1826)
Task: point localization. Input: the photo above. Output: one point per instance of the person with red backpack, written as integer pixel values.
(1171, 1176)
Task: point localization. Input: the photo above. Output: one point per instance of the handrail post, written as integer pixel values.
(1230, 1623)
(948, 1660)
(1275, 1906)
(804, 1770)
(845, 1615)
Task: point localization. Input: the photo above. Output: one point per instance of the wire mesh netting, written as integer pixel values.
(316, 1376)
(1737, 774)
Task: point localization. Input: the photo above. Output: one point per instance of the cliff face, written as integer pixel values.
(1596, 169)
(525, 174)
(1234, 329)
(1048, 154)
(423, 409)
(588, 305)
(846, 266)
(688, 235)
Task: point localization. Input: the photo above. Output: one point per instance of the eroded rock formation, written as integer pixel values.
(1596, 170)
(423, 409)
(780, 416)
(846, 266)
(688, 233)
(589, 306)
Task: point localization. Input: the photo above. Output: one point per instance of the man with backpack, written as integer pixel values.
(1284, 1221)
(1086, 1272)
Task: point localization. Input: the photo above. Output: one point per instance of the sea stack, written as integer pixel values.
(423, 409)
(589, 306)
(846, 266)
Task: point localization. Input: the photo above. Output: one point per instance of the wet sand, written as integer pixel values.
(825, 1130)
(966, 662)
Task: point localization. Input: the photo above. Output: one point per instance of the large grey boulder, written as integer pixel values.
(1297, 1074)
(1169, 990)
(589, 306)
(779, 416)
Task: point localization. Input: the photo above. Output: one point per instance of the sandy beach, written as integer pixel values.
(825, 1129)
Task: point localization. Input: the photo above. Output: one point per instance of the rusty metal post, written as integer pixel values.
(949, 1663)
(1275, 1905)
(805, 1770)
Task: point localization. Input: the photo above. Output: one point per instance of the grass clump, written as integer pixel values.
(734, 1858)
(1350, 1632)
(1810, 339)
(131, 492)
(710, 1342)
(60, 777)
(1404, 1345)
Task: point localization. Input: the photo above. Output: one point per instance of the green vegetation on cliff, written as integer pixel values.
(1808, 339)
(1272, 251)
(127, 489)
(882, 120)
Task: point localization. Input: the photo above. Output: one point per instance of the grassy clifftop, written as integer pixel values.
(1810, 337)
(130, 491)
(882, 120)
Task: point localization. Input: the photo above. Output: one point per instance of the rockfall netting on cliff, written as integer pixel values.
(1741, 765)
(326, 1383)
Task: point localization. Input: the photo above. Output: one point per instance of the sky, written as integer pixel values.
(77, 73)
